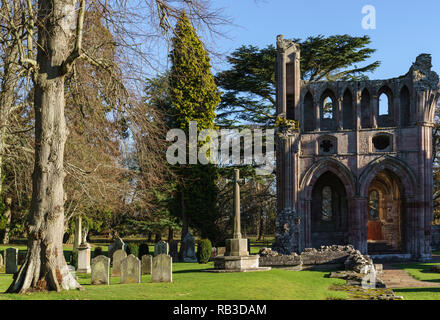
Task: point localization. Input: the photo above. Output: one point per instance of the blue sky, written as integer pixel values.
(404, 28)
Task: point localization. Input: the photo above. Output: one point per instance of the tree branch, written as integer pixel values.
(77, 51)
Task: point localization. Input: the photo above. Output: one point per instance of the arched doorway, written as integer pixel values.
(329, 216)
(384, 221)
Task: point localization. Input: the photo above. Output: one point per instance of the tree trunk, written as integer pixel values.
(45, 267)
(261, 225)
(8, 220)
(7, 100)
(170, 234)
(184, 216)
(78, 233)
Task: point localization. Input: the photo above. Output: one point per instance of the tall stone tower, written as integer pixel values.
(358, 169)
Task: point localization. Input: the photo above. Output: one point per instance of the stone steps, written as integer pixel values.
(380, 247)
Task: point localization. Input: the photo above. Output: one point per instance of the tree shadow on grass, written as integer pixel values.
(188, 271)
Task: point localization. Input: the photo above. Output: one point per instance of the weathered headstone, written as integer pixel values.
(1, 260)
(189, 248)
(118, 256)
(84, 258)
(11, 257)
(100, 270)
(131, 270)
(174, 253)
(147, 264)
(162, 268)
(161, 247)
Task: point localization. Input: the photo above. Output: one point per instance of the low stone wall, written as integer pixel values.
(344, 256)
(269, 258)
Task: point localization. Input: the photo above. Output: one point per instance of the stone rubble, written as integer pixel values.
(335, 254)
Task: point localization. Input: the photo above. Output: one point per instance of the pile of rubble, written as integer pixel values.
(355, 266)
(340, 255)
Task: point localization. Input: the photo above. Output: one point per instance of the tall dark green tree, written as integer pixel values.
(194, 97)
(249, 85)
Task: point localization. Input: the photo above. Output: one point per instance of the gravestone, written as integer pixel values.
(189, 248)
(173, 250)
(161, 247)
(147, 263)
(100, 270)
(118, 256)
(11, 257)
(84, 258)
(131, 270)
(162, 268)
(118, 244)
(1, 260)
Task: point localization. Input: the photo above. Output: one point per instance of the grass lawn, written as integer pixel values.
(190, 283)
(420, 271)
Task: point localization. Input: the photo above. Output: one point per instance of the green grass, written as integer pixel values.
(420, 271)
(418, 293)
(190, 283)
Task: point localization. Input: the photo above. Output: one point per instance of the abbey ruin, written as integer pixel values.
(358, 170)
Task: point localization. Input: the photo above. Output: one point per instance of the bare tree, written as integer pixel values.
(59, 28)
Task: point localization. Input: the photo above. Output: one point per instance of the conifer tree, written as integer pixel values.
(194, 97)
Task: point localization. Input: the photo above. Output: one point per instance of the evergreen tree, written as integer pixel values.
(194, 97)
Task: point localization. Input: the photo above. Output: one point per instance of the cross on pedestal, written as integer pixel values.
(237, 219)
(236, 257)
(237, 246)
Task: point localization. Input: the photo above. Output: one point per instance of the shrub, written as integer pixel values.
(133, 248)
(204, 250)
(143, 250)
(97, 252)
(74, 259)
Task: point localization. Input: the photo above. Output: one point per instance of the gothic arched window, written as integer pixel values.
(327, 108)
(384, 105)
(326, 203)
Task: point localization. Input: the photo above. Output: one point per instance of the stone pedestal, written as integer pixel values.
(237, 263)
(84, 258)
(236, 247)
(237, 258)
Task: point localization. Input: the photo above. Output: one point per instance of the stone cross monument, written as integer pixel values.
(237, 229)
(236, 258)
(236, 246)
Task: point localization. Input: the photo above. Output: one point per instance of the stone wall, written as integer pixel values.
(340, 256)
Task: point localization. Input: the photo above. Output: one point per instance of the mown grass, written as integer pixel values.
(189, 282)
(420, 271)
